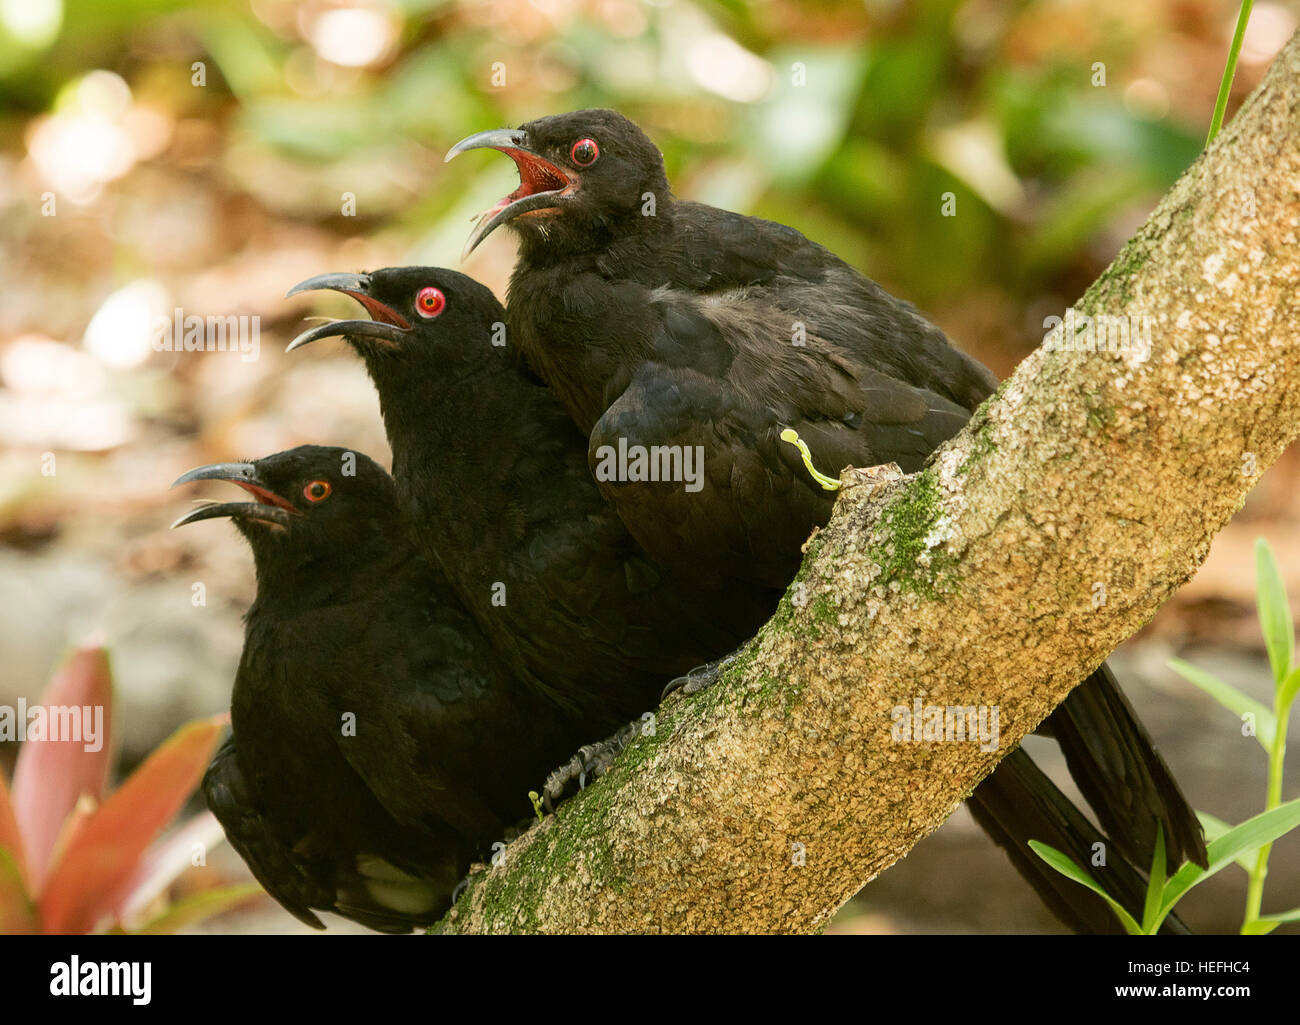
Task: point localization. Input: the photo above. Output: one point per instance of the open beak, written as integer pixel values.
(542, 185)
(269, 507)
(387, 326)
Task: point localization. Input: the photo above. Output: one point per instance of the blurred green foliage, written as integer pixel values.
(899, 105)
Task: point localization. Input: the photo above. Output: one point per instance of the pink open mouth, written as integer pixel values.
(377, 310)
(265, 497)
(535, 176)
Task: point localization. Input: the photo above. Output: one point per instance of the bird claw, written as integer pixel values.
(589, 763)
(700, 678)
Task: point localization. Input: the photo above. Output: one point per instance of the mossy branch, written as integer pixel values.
(1074, 504)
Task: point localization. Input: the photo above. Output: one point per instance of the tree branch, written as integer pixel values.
(1074, 504)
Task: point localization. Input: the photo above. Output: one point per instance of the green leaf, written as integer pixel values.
(248, 58)
(16, 912)
(1282, 916)
(1274, 611)
(1229, 70)
(1254, 832)
(11, 838)
(1230, 698)
(1155, 884)
(196, 907)
(1215, 828)
(1286, 690)
(1066, 866)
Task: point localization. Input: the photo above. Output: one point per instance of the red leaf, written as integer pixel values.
(52, 774)
(106, 851)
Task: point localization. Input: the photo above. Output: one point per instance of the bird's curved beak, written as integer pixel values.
(387, 326)
(269, 507)
(542, 185)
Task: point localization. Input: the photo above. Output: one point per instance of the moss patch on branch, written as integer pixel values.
(913, 556)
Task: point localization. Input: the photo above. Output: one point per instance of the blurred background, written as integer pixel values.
(208, 155)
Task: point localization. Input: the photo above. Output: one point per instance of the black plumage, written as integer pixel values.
(696, 326)
(379, 744)
(495, 476)
(679, 325)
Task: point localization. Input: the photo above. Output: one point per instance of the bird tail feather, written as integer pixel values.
(1121, 775)
(1018, 803)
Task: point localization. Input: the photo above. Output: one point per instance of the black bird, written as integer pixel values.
(379, 746)
(661, 322)
(667, 324)
(496, 477)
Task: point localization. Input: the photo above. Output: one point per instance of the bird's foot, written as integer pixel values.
(700, 678)
(590, 763)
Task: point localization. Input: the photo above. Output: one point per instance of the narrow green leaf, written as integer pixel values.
(1274, 611)
(1229, 70)
(1254, 832)
(1067, 867)
(1282, 916)
(196, 907)
(1215, 828)
(1287, 689)
(1155, 884)
(16, 912)
(1259, 927)
(1230, 698)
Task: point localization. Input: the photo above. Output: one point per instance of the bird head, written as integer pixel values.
(583, 176)
(311, 502)
(416, 313)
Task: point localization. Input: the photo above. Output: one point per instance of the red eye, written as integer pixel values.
(584, 152)
(430, 302)
(317, 491)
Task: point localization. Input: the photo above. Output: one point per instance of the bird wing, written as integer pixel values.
(581, 605)
(291, 880)
(727, 376)
(309, 871)
(405, 726)
(712, 252)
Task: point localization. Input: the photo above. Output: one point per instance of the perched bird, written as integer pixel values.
(496, 477)
(662, 322)
(670, 326)
(379, 746)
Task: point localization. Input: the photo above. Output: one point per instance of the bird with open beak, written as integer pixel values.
(379, 744)
(495, 481)
(582, 175)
